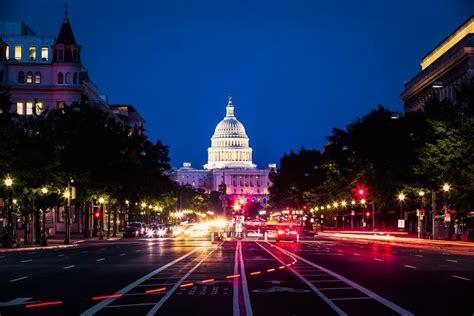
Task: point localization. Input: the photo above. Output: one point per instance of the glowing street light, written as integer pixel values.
(66, 194)
(101, 200)
(343, 203)
(401, 197)
(353, 202)
(421, 193)
(8, 182)
(143, 205)
(363, 201)
(335, 204)
(446, 187)
(44, 190)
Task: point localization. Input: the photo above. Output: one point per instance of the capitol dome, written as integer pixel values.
(229, 144)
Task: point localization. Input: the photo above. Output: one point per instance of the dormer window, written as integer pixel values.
(7, 52)
(18, 52)
(32, 53)
(75, 56)
(60, 54)
(44, 53)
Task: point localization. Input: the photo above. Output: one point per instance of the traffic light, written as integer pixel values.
(360, 191)
(97, 214)
(367, 214)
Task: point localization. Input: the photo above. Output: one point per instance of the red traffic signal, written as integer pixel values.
(367, 214)
(97, 214)
(360, 191)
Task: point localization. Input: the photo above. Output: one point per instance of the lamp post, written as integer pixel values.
(363, 202)
(10, 228)
(44, 235)
(353, 203)
(67, 196)
(401, 198)
(421, 194)
(101, 218)
(343, 204)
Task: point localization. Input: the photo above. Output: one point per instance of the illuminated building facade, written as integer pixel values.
(229, 163)
(443, 70)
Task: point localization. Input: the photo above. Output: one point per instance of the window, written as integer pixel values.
(37, 77)
(29, 107)
(7, 52)
(60, 78)
(44, 53)
(74, 78)
(32, 53)
(39, 107)
(60, 54)
(19, 108)
(75, 55)
(67, 78)
(60, 104)
(21, 77)
(29, 77)
(18, 52)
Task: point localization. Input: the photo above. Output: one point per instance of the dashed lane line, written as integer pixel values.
(18, 279)
(462, 278)
(122, 254)
(68, 267)
(377, 259)
(28, 260)
(101, 259)
(455, 261)
(410, 267)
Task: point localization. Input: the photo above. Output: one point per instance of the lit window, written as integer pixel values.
(29, 77)
(44, 53)
(32, 53)
(60, 78)
(21, 77)
(37, 77)
(60, 104)
(18, 52)
(19, 108)
(7, 52)
(29, 107)
(39, 107)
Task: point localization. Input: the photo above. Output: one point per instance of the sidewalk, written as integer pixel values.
(58, 242)
(378, 237)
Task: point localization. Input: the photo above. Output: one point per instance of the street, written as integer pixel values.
(250, 277)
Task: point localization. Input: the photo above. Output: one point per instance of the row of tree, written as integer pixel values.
(97, 152)
(389, 153)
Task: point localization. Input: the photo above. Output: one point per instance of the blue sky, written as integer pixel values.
(295, 69)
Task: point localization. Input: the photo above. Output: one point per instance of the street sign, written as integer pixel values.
(401, 223)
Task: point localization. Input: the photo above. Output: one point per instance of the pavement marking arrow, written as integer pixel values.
(18, 301)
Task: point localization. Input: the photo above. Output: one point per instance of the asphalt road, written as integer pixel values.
(197, 277)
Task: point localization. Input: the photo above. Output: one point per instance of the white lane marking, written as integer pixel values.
(68, 267)
(130, 305)
(336, 288)
(101, 259)
(421, 256)
(28, 260)
(31, 253)
(170, 292)
(377, 259)
(356, 254)
(314, 288)
(411, 267)
(462, 278)
(323, 281)
(451, 260)
(364, 290)
(235, 298)
(61, 255)
(351, 298)
(394, 251)
(18, 279)
(122, 254)
(94, 309)
(245, 289)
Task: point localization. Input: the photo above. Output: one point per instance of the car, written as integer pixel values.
(287, 233)
(131, 231)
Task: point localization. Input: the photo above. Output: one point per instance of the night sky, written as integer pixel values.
(295, 69)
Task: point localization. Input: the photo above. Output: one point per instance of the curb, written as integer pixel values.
(38, 248)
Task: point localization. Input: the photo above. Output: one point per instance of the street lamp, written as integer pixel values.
(10, 230)
(401, 198)
(44, 236)
(446, 187)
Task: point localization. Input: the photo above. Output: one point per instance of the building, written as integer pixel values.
(129, 116)
(229, 163)
(443, 70)
(43, 72)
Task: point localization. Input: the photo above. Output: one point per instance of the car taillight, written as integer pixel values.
(280, 232)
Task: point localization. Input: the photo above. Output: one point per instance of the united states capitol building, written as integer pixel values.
(230, 163)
